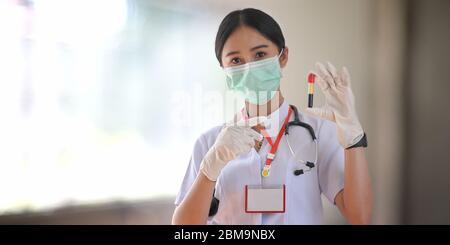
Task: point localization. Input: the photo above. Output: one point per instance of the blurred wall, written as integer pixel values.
(386, 108)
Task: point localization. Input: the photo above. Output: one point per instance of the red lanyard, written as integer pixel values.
(273, 150)
(274, 146)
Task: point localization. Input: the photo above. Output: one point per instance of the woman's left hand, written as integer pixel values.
(339, 103)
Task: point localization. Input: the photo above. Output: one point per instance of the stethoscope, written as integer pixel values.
(308, 165)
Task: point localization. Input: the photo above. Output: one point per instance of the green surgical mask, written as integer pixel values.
(257, 82)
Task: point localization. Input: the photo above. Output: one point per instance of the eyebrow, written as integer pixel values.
(259, 46)
(254, 48)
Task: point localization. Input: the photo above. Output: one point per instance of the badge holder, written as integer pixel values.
(265, 200)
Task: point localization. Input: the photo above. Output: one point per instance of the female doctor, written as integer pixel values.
(226, 166)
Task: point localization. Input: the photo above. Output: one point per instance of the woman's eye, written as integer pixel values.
(260, 55)
(236, 61)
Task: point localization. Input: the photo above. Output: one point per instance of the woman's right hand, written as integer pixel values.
(234, 139)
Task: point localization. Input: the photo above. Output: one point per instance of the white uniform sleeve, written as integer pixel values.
(330, 161)
(200, 149)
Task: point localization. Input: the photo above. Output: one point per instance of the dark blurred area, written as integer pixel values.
(426, 158)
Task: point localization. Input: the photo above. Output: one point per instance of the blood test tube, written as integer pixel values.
(311, 79)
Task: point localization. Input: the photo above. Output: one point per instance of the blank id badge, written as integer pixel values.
(265, 200)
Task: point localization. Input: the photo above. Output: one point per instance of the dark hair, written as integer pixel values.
(250, 17)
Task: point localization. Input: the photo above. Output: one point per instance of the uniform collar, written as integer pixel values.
(275, 119)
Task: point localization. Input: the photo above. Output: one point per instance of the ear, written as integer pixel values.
(284, 57)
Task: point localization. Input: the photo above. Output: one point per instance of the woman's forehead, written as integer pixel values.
(245, 38)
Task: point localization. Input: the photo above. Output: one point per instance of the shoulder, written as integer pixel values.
(208, 137)
(322, 128)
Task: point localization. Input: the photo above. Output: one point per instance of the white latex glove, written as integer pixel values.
(339, 103)
(234, 139)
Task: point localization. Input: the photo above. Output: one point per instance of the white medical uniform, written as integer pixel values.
(303, 192)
